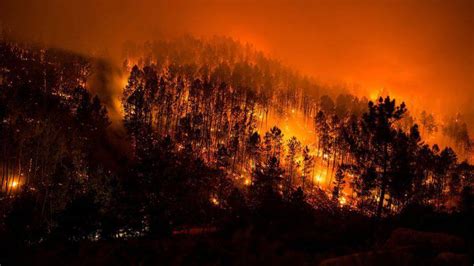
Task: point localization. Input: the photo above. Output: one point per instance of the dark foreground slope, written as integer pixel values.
(417, 237)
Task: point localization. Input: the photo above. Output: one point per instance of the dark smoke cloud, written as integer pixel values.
(419, 50)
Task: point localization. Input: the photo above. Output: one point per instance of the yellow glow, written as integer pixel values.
(14, 184)
(214, 201)
(297, 126)
(318, 178)
(342, 200)
(247, 182)
(374, 95)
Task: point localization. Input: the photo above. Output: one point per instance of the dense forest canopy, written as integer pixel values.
(214, 129)
(225, 102)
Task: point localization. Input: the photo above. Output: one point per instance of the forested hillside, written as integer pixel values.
(221, 139)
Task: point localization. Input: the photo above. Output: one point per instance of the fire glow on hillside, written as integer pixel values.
(207, 132)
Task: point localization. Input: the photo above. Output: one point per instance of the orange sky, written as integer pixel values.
(421, 50)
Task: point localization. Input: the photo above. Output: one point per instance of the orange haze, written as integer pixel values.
(422, 51)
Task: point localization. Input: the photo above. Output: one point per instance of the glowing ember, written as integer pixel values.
(318, 178)
(214, 200)
(247, 182)
(342, 200)
(14, 184)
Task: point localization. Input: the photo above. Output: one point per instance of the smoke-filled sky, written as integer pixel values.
(422, 50)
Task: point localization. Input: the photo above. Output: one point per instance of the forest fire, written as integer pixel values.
(13, 184)
(330, 140)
